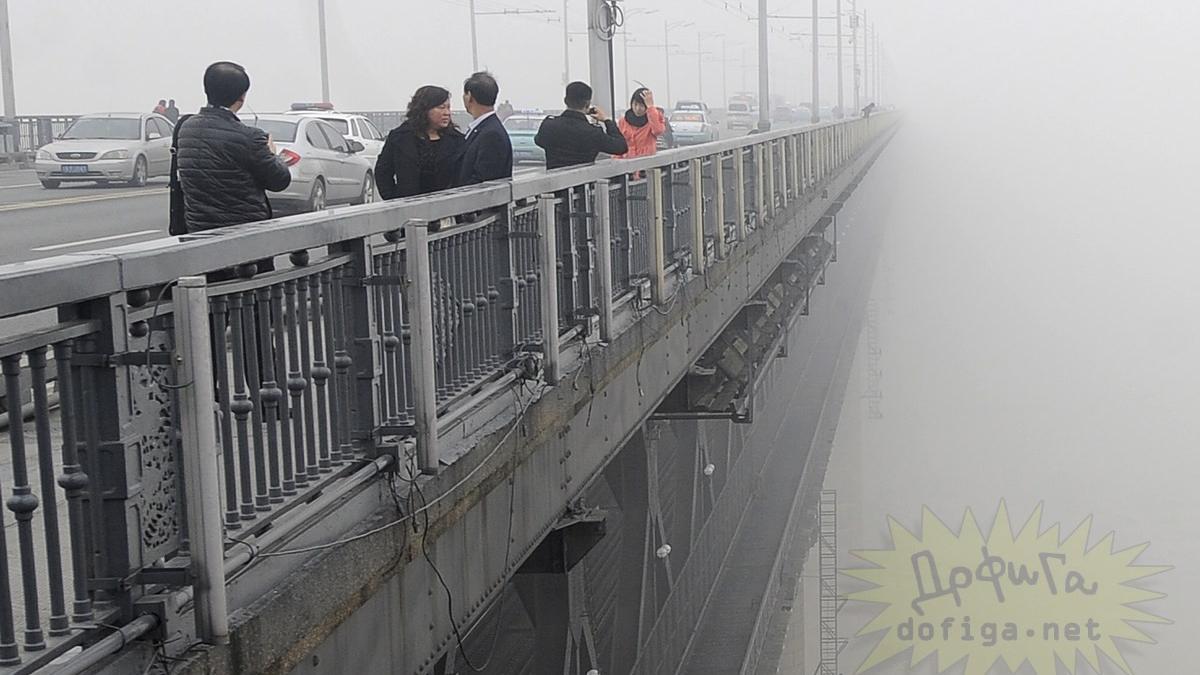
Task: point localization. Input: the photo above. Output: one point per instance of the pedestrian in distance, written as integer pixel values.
(422, 154)
(225, 167)
(580, 133)
(505, 110)
(172, 112)
(487, 154)
(161, 108)
(643, 124)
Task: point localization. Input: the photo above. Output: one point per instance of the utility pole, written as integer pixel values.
(474, 42)
(600, 60)
(625, 42)
(324, 50)
(743, 69)
(699, 67)
(878, 69)
(854, 53)
(567, 49)
(667, 51)
(6, 63)
(866, 58)
(724, 72)
(816, 61)
(764, 79)
(841, 99)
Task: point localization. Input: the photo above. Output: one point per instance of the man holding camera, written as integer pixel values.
(572, 138)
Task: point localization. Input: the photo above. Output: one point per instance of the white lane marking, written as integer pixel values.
(97, 240)
(81, 200)
(14, 187)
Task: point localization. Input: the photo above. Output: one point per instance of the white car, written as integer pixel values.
(326, 167)
(693, 127)
(353, 127)
(107, 148)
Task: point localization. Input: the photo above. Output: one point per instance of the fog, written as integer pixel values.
(1036, 300)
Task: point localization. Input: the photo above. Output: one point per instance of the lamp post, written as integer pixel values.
(816, 61)
(667, 26)
(764, 76)
(841, 101)
(625, 43)
(6, 64)
(324, 51)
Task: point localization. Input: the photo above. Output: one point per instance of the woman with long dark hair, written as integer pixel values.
(421, 155)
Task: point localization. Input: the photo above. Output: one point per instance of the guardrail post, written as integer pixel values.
(699, 263)
(604, 256)
(719, 177)
(797, 179)
(739, 174)
(418, 291)
(201, 459)
(548, 287)
(366, 344)
(785, 185)
(509, 301)
(769, 150)
(658, 269)
(760, 202)
(126, 444)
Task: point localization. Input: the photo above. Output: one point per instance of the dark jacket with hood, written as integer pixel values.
(225, 169)
(571, 139)
(411, 164)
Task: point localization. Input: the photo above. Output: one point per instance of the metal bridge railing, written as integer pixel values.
(379, 322)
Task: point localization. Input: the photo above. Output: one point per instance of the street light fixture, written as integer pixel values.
(625, 42)
(667, 26)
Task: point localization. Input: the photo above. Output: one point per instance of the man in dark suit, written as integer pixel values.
(488, 152)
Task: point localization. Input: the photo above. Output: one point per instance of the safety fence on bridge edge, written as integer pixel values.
(21, 136)
(387, 320)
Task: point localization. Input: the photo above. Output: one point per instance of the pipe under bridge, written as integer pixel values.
(568, 423)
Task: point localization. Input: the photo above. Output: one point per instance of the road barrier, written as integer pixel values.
(386, 320)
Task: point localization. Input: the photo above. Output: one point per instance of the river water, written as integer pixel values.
(1032, 337)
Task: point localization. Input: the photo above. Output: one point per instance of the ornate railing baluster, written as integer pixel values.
(219, 308)
(278, 340)
(320, 369)
(73, 481)
(296, 384)
(22, 503)
(269, 393)
(242, 407)
(304, 325)
(58, 623)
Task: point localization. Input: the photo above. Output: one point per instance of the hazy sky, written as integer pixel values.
(122, 54)
(1100, 56)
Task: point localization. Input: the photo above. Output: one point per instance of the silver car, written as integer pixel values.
(107, 148)
(353, 127)
(326, 167)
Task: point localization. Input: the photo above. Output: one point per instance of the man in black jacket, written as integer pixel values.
(571, 138)
(226, 167)
(488, 153)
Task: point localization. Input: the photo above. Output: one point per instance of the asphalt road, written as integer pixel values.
(38, 223)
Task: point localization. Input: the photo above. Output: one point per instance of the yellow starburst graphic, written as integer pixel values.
(1027, 597)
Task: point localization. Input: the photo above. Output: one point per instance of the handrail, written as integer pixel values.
(73, 277)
